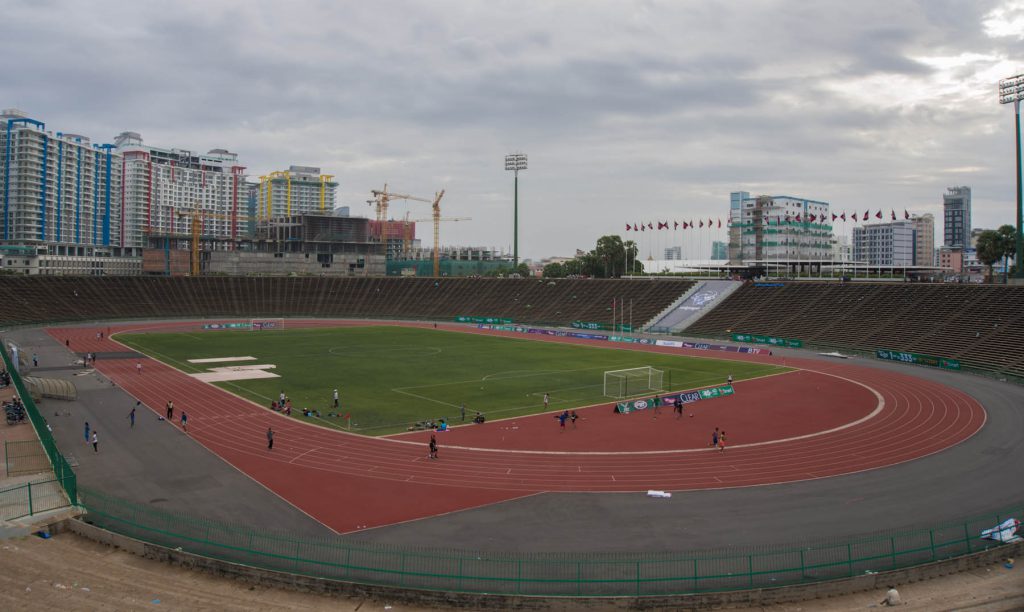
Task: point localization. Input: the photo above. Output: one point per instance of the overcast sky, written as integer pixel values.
(628, 111)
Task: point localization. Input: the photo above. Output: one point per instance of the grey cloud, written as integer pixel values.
(625, 110)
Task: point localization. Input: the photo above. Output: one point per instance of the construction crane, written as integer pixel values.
(437, 250)
(437, 219)
(381, 197)
(196, 217)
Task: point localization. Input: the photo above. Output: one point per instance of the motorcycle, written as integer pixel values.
(15, 413)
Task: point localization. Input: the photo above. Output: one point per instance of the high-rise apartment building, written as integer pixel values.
(62, 206)
(885, 244)
(719, 250)
(299, 190)
(924, 239)
(956, 214)
(778, 228)
(165, 188)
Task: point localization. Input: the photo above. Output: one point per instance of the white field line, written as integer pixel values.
(221, 359)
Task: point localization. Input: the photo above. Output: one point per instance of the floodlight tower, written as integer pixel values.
(1012, 90)
(515, 162)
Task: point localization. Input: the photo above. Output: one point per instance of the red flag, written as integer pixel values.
(643, 228)
(812, 217)
(843, 216)
(627, 227)
(798, 217)
(906, 215)
(676, 226)
(692, 225)
(878, 214)
(853, 216)
(635, 228)
(867, 215)
(702, 223)
(662, 225)
(833, 216)
(719, 223)
(893, 212)
(650, 225)
(709, 223)
(787, 217)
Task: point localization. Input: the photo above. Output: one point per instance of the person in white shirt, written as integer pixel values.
(892, 597)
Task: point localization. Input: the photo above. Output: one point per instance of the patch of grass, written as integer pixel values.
(390, 377)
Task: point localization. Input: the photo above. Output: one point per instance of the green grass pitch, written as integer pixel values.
(391, 377)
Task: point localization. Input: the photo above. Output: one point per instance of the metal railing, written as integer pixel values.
(549, 574)
(61, 468)
(31, 498)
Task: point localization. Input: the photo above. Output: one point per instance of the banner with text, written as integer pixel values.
(687, 397)
(219, 326)
(602, 326)
(756, 339)
(928, 360)
(487, 320)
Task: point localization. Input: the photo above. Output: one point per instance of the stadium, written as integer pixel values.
(873, 433)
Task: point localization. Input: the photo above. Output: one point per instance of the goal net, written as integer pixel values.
(632, 381)
(266, 324)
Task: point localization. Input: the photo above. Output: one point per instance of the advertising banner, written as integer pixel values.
(928, 360)
(602, 326)
(757, 339)
(488, 320)
(687, 397)
(217, 326)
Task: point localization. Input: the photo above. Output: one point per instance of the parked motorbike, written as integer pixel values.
(15, 413)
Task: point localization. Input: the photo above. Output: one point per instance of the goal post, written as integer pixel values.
(266, 324)
(633, 381)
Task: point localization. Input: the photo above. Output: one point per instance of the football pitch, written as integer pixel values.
(391, 377)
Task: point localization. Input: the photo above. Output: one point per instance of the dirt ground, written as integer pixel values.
(68, 572)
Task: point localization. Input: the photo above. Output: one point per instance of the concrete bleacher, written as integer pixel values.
(39, 299)
(981, 326)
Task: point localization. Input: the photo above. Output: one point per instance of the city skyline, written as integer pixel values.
(626, 110)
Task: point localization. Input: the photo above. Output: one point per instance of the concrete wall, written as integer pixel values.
(442, 599)
(240, 263)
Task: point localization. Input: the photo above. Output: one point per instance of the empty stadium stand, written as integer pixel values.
(981, 326)
(39, 299)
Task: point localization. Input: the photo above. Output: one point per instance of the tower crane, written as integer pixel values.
(381, 197)
(437, 219)
(196, 217)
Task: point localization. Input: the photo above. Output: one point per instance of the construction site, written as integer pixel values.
(283, 239)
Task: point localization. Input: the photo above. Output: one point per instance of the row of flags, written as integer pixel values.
(643, 227)
(808, 218)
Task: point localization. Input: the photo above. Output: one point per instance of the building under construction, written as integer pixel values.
(298, 244)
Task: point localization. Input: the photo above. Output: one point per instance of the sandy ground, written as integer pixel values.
(68, 572)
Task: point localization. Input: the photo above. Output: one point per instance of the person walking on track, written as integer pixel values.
(270, 439)
(184, 422)
(433, 447)
(95, 442)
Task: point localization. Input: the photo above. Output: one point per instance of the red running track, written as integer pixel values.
(867, 419)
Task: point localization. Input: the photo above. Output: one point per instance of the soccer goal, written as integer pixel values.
(266, 324)
(632, 381)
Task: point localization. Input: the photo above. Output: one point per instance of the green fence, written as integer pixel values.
(22, 457)
(568, 574)
(31, 498)
(61, 469)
